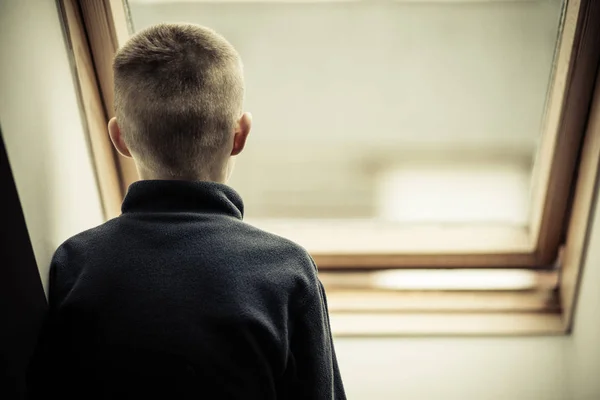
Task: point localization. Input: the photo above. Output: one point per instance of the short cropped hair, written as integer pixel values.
(179, 90)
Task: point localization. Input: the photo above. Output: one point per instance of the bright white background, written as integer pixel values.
(343, 93)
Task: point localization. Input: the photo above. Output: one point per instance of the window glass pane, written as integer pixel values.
(395, 111)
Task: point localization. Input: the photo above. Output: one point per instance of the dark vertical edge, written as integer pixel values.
(23, 303)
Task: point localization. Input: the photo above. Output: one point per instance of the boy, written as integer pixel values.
(178, 297)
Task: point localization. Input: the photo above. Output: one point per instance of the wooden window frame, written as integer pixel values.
(566, 176)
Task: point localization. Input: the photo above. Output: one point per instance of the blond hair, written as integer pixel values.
(179, 90)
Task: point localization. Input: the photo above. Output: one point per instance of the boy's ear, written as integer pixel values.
(115, 136)
(242, 129)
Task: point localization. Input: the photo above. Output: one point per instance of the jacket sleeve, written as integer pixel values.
(316, 373)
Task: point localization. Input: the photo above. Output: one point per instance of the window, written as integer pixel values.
(438, 159)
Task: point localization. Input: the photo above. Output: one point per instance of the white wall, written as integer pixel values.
(40, 119)
(582, 349)
(42, 128)
(453, 369)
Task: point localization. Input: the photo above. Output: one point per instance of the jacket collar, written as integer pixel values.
(182, 196)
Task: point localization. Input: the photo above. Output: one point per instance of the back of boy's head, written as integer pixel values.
(179, 91)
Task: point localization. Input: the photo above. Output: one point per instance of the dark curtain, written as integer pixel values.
(22, 300)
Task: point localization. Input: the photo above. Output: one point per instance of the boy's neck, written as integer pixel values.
(213, 176)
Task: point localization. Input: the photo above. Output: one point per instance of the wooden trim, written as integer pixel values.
(104, 38)
(354, 301)
(379, 237)
(358, 311)
(432, 280)
(394, 261)
(444, 324)
(94, 115)
(368, 244)
(359, 292)
(569, 102)
(106, 27)
(582, 213)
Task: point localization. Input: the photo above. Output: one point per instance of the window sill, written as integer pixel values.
(446, 324)
(359, 308)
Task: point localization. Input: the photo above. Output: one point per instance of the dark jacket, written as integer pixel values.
(179, 298)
